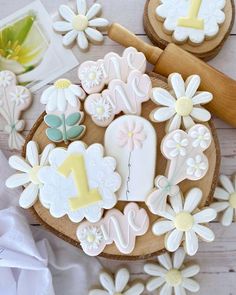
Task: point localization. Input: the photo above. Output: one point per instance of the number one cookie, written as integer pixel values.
(192, 20)
(75, 164)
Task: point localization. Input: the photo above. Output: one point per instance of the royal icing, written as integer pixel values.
(63, 111)
(182, 105)
(28, 176)
(120, 228)
(192, 19)
(182, 221)
(95, 75)
(13, 101)
(119, 97)
(79, 182)
(132, 141)
(185, 152)
(81, 25)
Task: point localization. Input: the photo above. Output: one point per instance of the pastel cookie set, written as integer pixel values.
(108, 190)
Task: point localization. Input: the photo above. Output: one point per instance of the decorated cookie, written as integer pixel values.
(182, 105)
(95, 75)
(63, 111)
(185, 152)
(119, 97)
(225, 196)
(131, 140)
(79, 182)
(119, 285)
(13, 101)
(171, 276)
(193, 20)
(28, 176)
(82, 25)
(116, 227)
(182, 221)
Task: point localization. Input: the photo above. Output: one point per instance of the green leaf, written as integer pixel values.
(75, 132)
(54, 134)
(53, 121)
(72, 119)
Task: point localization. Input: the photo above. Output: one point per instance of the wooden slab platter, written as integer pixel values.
(147, 245)
(207, 50)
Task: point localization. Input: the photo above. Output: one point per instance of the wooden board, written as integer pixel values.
(207, 50)
(147, 245)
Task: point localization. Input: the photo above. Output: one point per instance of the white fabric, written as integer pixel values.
(33, 261)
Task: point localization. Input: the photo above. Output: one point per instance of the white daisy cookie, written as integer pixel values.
(82, 25)
(119, 285)
(171, 276)
(181, 105)
(182, 222)
(225, 197)
(28, 176)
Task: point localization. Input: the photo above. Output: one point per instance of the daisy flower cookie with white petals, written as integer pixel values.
(183, 222)
(82, 25)
(181, 105)
(28, 176)
(117, 286)
(226, 200)
(171, 276)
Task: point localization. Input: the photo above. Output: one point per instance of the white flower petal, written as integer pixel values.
(227, 184)
(45, 154)
(200, 114)
(188, 122)
(29, 196)
(94, 35)
(98, 22)
(227, 217)
(219, 206)
(62, 26)
(32, 153)
(191, 242)
(154, 270)
(192, 84)
(154, 283)
(71, 98)
(177, 83)
(19, 163)
(176, 203)
(166, 290)
(82, 40)
(178, 258)
(47, 94)
(161, 227)
(191, 285)
(173, 240)
(192, 199)
(93, 10)
(164, 113)
(121, 279)
(107, 282)
(66, 13)
(163, 97)
(221, 194)
(69, 38)
(61, 100)
(202, 98)
(165, 261)
(81, 6)
(17, 180)
(179, 290)
(205, 216)
(174, 123)
(190, 271)
(78, 91)
(52, 103)
(136, 289)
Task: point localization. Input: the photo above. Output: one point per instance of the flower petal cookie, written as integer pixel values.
(182, 222)
(120, 228)
(118, 285)
(82, 25)
(79, 182)
(132, 141)
(171, 275)
(13, 101)
(195, 20)
(225, 195)
(95, 75)
(119, 97)
(182, 105)
(29, 169)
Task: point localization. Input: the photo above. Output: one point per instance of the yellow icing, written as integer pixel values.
(75, 164)
(80, 22)
(90, 238)
(173, 277)
(100, 110)
(184, 221)
(232, 200)
(33, 174)
(130, 134)
(184, 106)
(62, 83)
(192, 20)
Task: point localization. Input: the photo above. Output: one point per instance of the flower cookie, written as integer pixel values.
(13, 101)
(185, 152)
(82, 25)
(120, 228)
(117, 286)
(63, 117)
(193, 20)
(182, 105)
(182, 222)
(95, 75)
(119, 97)
(132, 141)
(171, 275)
(28, 176)
(79, 182)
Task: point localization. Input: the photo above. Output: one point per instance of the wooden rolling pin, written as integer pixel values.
(175, 59)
